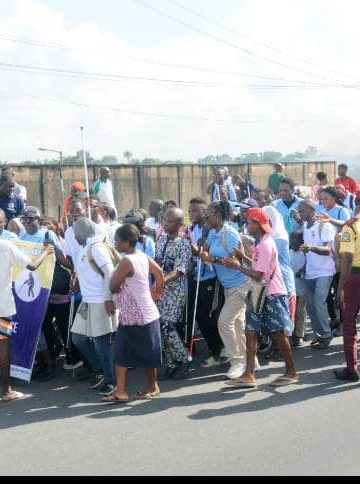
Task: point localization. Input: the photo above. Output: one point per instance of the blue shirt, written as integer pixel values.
(215, 193)
(40, 237)
(290, 224)
(207, 270)
(147, 248)
(336, 213)
(13, 206)
(285, 266)
(7, 235)
(221, 244)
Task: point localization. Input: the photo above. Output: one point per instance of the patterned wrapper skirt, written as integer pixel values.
(138, 346)
(275, 317)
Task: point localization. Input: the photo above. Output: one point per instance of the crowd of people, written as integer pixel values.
(248, 272)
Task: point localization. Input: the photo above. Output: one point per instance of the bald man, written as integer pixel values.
(173, 254)
(103, 187)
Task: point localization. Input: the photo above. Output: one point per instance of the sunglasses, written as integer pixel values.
(28, 220)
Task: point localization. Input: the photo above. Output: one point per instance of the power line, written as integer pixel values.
(256, 42)
(227, 42)
(180, 117)
(51, 45)
(97, 76)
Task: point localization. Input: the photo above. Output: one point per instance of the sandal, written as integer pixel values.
(114, 399)
(146, 396)
(12, 397)
(240, 383)
(284, 381)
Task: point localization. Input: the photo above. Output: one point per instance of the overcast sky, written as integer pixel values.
(224, 99)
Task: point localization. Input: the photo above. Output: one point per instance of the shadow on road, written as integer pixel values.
(64, 400)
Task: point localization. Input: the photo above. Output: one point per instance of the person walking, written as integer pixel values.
(11, 257)
(349, 294)
(95, 320)
(173, 255)
(274, 318)
(222, 241)
(320, 269)
(138, 338)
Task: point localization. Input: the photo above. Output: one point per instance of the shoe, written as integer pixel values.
(323, 343)
(73, 366)
(296, 342)
(96, 380)
(46, 376)
(315, 342)
(106, 390)
(211, 363)
(167, 374)
(346, 375)
(236, 371)
(181, 371)
(337, 332)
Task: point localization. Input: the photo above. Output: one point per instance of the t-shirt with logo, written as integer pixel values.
(13, 207)
(318, 235)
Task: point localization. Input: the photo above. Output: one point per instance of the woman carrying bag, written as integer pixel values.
(273, 318)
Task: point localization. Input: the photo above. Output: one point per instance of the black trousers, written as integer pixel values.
(206, 319)
(332, 302)
(55, 328)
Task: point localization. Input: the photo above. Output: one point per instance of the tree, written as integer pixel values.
(128, 156)
(292, 156)
(272, 156)
(109, 160)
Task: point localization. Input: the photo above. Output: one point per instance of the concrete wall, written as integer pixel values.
(135, 186)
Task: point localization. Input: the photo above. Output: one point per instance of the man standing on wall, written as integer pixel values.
(349, 183)
(275, 178)
(103, 187)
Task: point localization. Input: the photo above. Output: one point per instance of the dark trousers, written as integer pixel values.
(332, 298)
(55, 328)
(350, 313)
(205, 317)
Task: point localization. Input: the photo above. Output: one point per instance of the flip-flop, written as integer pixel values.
(114, 399)
(284, 381)
(146, 396)
(14, 396)
(239, 383)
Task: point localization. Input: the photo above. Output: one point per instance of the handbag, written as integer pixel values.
(258, 293)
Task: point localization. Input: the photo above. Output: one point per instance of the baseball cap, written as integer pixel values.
(32, 212)
(248, 203)
(258, 215)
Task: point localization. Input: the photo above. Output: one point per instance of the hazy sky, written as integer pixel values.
(239, 76)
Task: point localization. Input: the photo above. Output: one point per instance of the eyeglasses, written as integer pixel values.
(28, 220)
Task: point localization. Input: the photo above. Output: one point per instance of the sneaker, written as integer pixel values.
(96, 380)
(211, 363)
(106, 390)
(315, 342)
(73, 366)
(236, 371)
(323, 343)
(296, 342)
(346, 375)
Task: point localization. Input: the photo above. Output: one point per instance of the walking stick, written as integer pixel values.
(191, 350)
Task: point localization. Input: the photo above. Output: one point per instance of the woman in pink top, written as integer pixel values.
(138, 339)
(275, 317)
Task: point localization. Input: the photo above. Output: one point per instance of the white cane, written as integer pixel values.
(195, 311)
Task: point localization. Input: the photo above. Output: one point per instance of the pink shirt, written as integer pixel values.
(265, 260)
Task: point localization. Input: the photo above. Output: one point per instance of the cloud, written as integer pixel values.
(38, 110)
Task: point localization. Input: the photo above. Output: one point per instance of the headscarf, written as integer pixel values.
(78, 186)
(277, 223)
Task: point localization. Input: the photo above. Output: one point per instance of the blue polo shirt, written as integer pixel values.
(336, 213)
(148, 247)
(221, 244)
(207, 270)
(290, 224)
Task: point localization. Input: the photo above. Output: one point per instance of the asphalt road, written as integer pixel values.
(61, 428)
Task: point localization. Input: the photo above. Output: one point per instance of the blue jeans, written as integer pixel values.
(98, 353)
(317, 291)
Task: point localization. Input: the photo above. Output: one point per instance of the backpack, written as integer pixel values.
(114, 255)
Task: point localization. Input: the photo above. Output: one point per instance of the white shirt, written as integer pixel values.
(71, 246)
(92, 283)
(10, 257)
(319, 265)
(106, 193)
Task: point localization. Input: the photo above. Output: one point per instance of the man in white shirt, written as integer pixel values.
(320, 269)
(10, 257)
(103, 187)
(95, 319)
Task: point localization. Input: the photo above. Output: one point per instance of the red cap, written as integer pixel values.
(78, 186)
(261, 217)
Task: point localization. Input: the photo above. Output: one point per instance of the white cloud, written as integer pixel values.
(323, 31)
